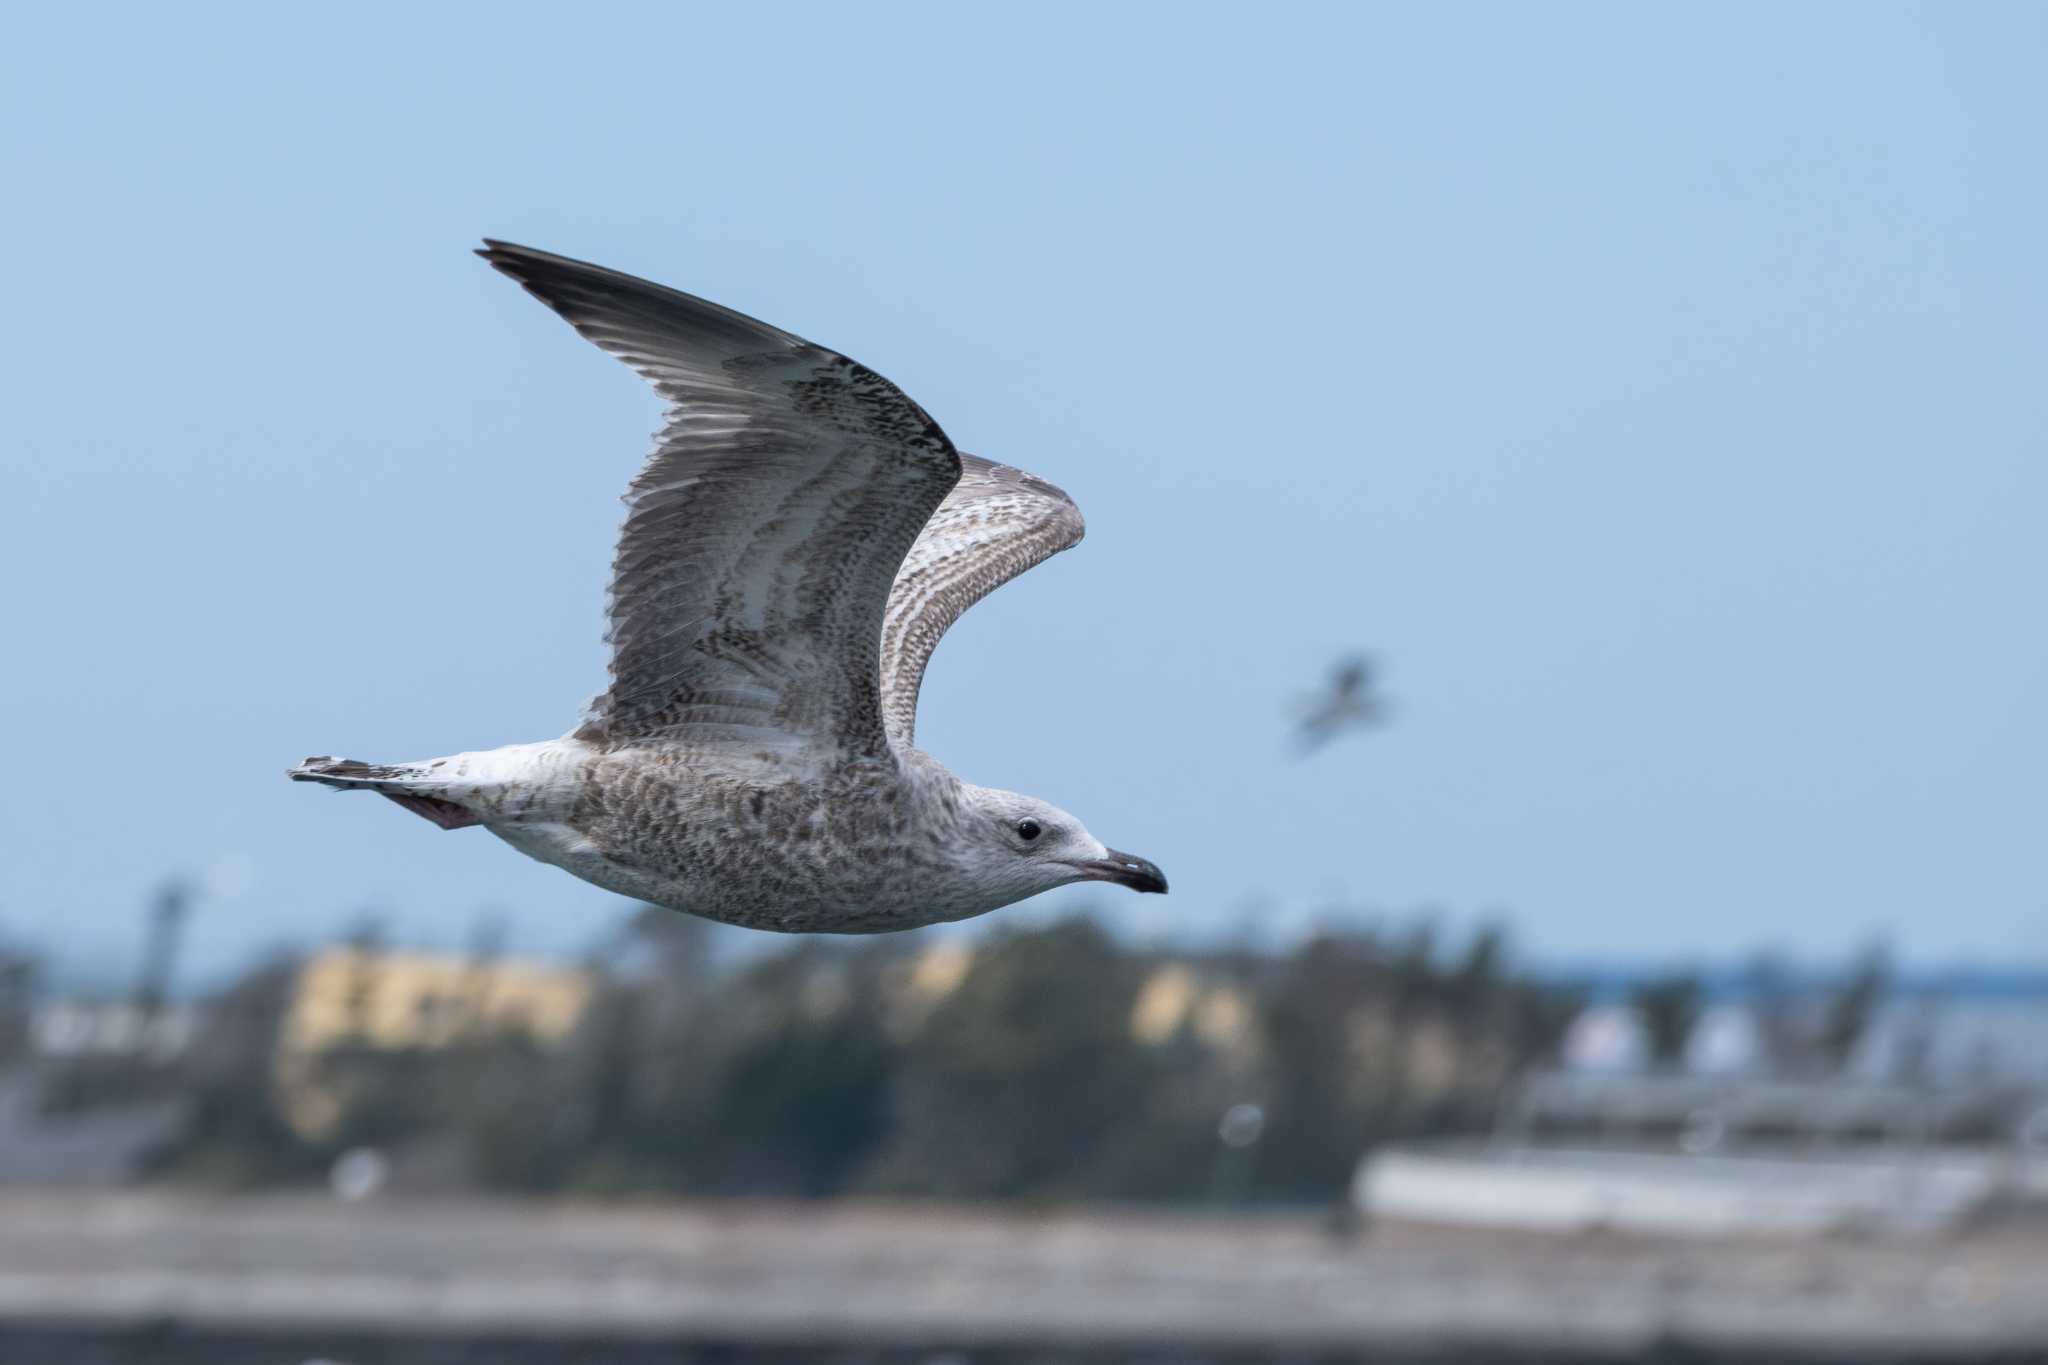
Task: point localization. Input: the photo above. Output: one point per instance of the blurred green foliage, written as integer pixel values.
(1052, 1063)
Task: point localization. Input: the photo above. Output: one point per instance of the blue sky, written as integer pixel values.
(1658, 391)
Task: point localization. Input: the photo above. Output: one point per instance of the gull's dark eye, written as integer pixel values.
(1029, 829)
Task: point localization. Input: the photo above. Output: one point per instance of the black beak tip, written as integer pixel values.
(1139, 874)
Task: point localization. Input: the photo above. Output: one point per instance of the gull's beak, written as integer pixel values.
(1126, 870)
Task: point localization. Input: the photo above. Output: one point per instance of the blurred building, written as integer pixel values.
(918, 984)
(1178, 995)
(1607, 1037)
(1987, 1035)
(411, 999)
(1964, 1058)
(70, 1029)
(1727, 1041)
(1793, 1111)
(357, 998)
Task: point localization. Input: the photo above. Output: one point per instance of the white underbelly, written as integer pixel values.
(569, 850)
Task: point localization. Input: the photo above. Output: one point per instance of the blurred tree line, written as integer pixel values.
(1802, 1032)
(1045, 1063)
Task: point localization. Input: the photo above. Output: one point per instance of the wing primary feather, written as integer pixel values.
(763, 534)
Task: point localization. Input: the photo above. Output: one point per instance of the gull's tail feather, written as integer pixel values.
(400, 782)
(330, 771)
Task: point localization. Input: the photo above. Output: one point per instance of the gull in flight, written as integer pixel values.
(1349, 702)
(794, 548)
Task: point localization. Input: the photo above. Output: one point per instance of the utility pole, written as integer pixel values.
(486, 946)
(167, 915)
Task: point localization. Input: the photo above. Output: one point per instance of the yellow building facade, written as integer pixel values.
(356, 998)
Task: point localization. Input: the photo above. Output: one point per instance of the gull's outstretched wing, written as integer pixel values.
(763, 534)
(996, 523)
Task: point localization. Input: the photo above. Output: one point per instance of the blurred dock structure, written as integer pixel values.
(1821, 1192)
(1935, 1116)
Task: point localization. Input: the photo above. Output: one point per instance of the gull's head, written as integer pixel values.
(1027, 846)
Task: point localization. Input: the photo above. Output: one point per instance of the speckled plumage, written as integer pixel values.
(793, 550)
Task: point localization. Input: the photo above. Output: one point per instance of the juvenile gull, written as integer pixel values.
(798, 541)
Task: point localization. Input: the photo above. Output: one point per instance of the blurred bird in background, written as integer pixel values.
(1350, 701)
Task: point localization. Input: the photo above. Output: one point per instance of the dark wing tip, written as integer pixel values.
(540, 273)
(533, 268)
(497, 250)
(584, 293)
(506, 255)
(520, 261)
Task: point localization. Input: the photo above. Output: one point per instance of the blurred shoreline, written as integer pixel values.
(104, 1271)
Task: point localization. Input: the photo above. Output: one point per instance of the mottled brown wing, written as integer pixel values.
(996, 523)
(763, 535)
